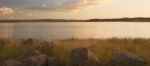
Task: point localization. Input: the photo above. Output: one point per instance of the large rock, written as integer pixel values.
(82, 57)
(23, 57)
(42, 60)
(128, 59)
(43, 48)
(35, 58)
(39, 60)
(11, 62)
(38, 56)
(52, 61)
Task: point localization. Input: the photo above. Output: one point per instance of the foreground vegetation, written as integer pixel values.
(105, 49)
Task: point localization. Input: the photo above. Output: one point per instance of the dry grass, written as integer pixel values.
(105, 49)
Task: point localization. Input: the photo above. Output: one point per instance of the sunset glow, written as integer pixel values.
(73, 9)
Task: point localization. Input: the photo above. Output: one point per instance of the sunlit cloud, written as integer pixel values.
(69, 5)
(14, 9)
(6, 11)
(53, 5)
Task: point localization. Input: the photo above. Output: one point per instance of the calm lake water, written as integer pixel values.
(63, 30)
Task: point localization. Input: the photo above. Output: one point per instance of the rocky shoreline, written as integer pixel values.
(77, 57)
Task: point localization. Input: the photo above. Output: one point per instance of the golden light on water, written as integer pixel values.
(76, 30)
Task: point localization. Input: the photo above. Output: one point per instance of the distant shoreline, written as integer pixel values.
(74, 20)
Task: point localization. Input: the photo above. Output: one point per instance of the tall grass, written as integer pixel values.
(105, 49)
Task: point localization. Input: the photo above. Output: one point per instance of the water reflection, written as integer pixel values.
(77, 30)
(21, 30)
(6, 30)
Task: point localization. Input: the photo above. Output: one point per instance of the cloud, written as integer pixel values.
(6, 11)
(63, 5)
(53, 5)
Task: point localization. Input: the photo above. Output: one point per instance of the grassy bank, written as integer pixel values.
(105, 49)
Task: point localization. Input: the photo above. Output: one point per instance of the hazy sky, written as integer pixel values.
(73, 9)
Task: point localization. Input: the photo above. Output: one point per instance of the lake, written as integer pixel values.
(64, 30)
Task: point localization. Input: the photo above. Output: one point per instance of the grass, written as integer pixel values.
(105, 49)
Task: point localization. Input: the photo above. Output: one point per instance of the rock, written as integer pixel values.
(128, 59)
(39, 60)
(35, 58)
(42, 60)
(24, 57)
(82, 57)
(26, 54)
(45, 47)
(38, 56)
(52, 61)
(11, 62)
(28, 41)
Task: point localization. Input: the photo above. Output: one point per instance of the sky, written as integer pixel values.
(73, 9)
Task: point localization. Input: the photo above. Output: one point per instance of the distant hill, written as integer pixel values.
(122, 20)
(139, 19)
